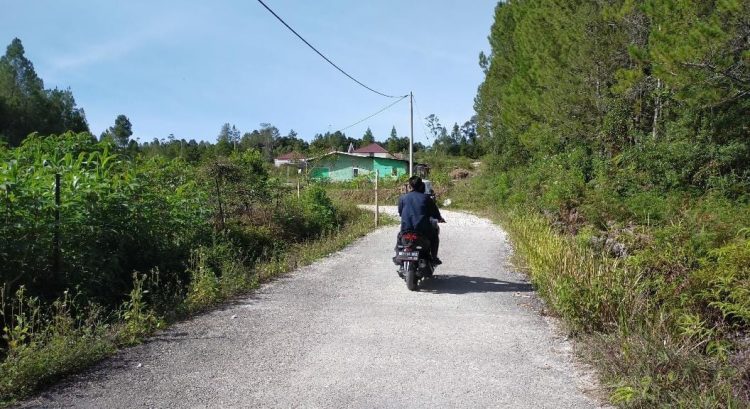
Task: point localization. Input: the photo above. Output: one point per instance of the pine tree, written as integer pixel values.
(227, 140)
(120, 132)
(26, 107)
(368, 137)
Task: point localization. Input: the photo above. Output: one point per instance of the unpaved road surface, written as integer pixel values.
(345, 332)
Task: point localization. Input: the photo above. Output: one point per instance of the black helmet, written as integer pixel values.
(416, 184)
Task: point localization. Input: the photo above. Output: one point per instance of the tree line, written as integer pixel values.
(27, 107)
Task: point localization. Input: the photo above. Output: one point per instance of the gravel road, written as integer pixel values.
(345, 332)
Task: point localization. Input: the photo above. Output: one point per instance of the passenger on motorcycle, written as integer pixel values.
(416, 208)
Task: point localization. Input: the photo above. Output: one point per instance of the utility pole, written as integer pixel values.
(411, 134)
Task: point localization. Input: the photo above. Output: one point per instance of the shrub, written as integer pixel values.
(319, 211)
(204, 289)
(722, 284)
(291, 221)
(138, 320)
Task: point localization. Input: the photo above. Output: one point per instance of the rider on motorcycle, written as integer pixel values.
(416, 208)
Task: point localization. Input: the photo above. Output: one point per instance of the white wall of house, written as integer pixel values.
(282, 162)
(377, 155)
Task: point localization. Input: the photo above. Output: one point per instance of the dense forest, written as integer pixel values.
(653, 95)
(626, 125)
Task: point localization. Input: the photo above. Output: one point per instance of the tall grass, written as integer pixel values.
(589, 292)
(660, 336)
(650, 354)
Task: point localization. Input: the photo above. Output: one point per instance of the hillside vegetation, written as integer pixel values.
(619, 157)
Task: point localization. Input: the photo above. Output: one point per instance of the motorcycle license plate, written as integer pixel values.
(408, 255)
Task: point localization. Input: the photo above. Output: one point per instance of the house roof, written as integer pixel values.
(371, 148)
(356, 155)
(291, 156)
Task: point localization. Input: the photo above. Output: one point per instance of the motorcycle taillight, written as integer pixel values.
(410, 236)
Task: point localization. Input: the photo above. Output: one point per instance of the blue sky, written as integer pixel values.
(187, 67)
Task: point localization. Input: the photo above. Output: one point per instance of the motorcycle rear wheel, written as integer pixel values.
(410, 276)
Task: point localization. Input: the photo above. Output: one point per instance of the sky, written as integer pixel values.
(187, 67)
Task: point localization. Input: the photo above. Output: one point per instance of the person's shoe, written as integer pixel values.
(396, 262)
(436, 261)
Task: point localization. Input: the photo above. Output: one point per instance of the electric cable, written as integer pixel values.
(376, 113)
(321, 54)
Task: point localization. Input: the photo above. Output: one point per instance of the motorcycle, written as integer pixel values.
(414, 258)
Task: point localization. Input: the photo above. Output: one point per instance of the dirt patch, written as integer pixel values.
(460, 174)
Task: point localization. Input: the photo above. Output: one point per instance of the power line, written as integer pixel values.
(321, 54)
(363, 120)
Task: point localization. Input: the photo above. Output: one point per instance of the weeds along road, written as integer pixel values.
(345, 332)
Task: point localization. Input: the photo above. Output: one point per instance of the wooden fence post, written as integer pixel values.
(218, 199)
(57, 253)
(377, 205)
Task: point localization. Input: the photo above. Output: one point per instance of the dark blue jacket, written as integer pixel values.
(415, 210)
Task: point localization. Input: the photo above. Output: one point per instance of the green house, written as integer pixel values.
(343, 166)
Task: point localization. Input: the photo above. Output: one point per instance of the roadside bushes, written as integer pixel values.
(46, 341)
(116, 216)
(137, 241)
(707, 295)
(661, 334)
(661, 299)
